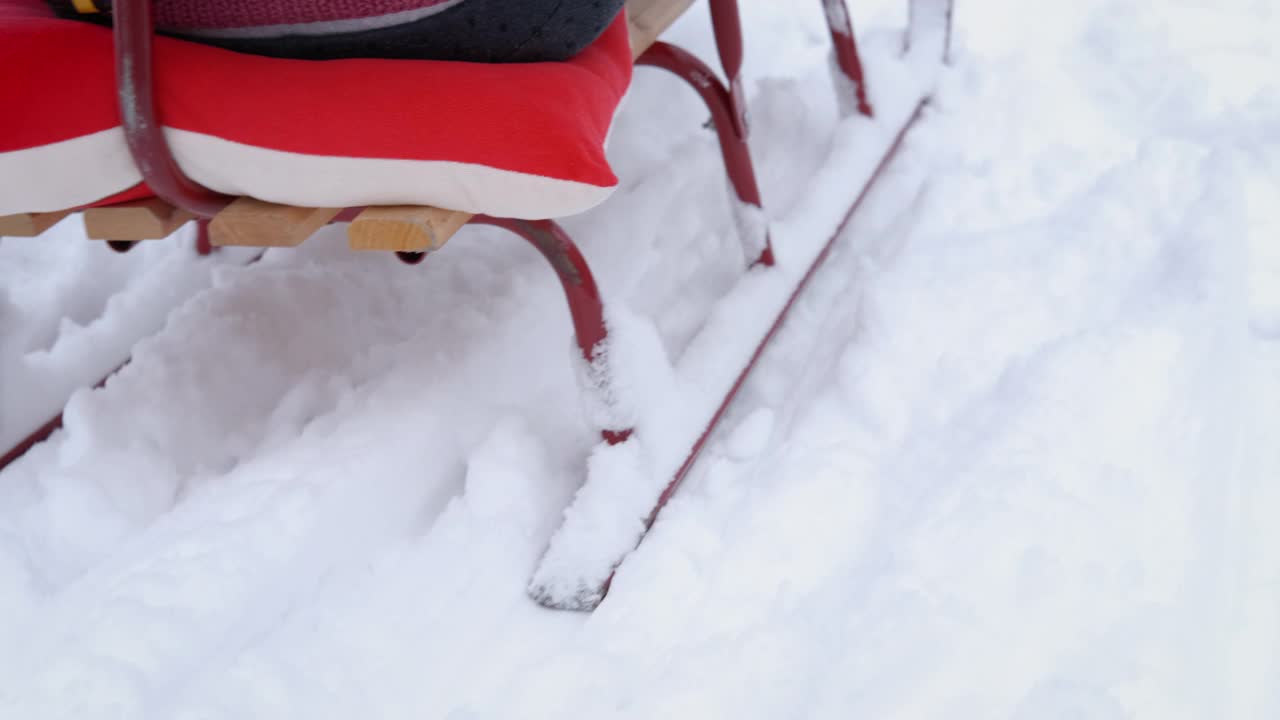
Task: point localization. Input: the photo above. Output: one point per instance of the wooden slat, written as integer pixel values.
(29, 224)
(248, 222)
(150, 219)
(648, 19)
(404, 228)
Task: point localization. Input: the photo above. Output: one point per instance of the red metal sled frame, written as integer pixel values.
(725, 101)
(134, 30)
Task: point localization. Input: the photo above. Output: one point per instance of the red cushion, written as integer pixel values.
(515, 140)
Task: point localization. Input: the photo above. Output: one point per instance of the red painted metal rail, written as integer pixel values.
(134, 28)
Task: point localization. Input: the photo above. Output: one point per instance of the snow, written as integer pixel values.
(1011, 456)
(70, 316)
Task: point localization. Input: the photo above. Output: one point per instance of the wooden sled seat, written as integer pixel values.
(510, 140)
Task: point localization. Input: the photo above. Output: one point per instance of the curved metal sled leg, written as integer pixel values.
(731, 130)
(204, 246)
(851, 83)
(728, 31)
(580, 291)
(134, 27)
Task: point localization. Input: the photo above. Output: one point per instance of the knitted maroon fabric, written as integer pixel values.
(214, 14)
(183, 14)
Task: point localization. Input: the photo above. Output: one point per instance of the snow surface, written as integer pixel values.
(1014, 456)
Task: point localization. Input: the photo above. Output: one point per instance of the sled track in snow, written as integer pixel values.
(84, 349)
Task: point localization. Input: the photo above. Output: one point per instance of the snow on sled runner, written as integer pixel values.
(654, 414)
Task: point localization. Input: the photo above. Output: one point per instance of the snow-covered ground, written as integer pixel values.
(1014, 455)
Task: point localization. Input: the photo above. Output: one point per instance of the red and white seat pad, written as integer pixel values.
(511, 140)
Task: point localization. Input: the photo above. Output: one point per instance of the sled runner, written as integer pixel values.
(175, 152)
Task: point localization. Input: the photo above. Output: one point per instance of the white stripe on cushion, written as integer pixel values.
(86, 169)
(66, 174)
